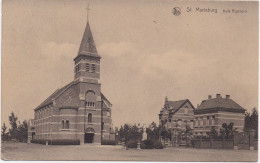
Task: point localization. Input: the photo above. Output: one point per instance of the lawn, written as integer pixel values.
(23, 151)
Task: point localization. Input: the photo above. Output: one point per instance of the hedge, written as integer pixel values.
(158, 145)
(108, 142)
(131, 144)
(149, 144)
(57, 141)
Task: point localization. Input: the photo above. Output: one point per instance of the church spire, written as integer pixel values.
(87, 46)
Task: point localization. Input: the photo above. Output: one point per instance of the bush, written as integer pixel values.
(108, 142)
(149, 144)
(142, 146)
(158, 145)
(57, 141)
(131, 144)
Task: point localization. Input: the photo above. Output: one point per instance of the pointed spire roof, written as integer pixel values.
(87, 46)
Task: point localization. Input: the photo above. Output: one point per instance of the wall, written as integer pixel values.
(213, 144)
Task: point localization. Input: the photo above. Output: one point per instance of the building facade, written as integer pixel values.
(213, 112)
(177, 114)
(79, 110)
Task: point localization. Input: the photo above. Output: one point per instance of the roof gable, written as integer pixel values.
(178, 104)
(54, 95)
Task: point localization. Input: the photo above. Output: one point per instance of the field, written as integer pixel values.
(23, 151)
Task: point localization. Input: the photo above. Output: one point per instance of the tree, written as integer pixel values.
(23, 131)
(152, 132)
(13, 122)
(213, 132)
(3, 132)
(129, 132)
(251, 121)
(18, 132)
(227, 131)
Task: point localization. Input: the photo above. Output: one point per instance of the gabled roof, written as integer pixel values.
(176, 105)
(87, 46)
(106, 104)
(54, 95)
(219, 103)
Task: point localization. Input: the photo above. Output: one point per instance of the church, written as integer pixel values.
(78, 111)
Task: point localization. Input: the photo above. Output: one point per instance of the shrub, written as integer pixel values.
(108, 142)
(131, 144)
(142, 146)
(149, 144)
(158, 145)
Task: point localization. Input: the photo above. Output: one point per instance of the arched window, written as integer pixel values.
(62, 124)
(186, 110)
(67, 125)
(90, 98)
(90, 118)
(102, 126)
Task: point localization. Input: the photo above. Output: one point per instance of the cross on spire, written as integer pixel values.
(87, 11)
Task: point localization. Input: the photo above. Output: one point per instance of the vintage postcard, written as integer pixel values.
(120, 80)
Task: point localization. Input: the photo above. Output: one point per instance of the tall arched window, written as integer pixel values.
(90, 98)
(62, 124)
(67, 125)
(186, 110)
(90, 118)
(102, 126)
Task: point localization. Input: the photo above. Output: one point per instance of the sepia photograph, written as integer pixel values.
(121, 80)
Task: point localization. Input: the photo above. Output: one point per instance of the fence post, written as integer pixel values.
(251, 139)
(235, 140)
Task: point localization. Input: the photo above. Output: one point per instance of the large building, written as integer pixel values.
(181, 111)
(215, 112)
(79, 110)
(212, 112)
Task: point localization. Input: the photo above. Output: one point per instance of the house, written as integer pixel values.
(177, 114)
(215, 112)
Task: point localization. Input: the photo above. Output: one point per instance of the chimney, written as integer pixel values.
(227, 96)
(209, 97)
(218, 96)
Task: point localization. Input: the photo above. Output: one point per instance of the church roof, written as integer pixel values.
(58, 92)
(106, 104)
(219, 103)
(54, 95)
(87, 46)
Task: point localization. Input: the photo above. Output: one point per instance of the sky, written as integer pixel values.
(147, 53)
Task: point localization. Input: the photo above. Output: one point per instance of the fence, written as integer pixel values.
(240, 141)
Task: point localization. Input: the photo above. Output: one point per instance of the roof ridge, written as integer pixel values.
(68, 86)
(48, 98)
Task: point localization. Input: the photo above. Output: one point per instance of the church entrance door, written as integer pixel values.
(89, 137)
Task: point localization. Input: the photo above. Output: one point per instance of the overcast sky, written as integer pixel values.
(147, 53)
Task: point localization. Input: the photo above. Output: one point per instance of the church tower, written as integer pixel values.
(87, 77)
(78, 112)
(87, 62)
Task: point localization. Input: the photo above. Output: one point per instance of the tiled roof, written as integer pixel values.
(219, 103)
(174, 105)
(54, 95)
(87, 46)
